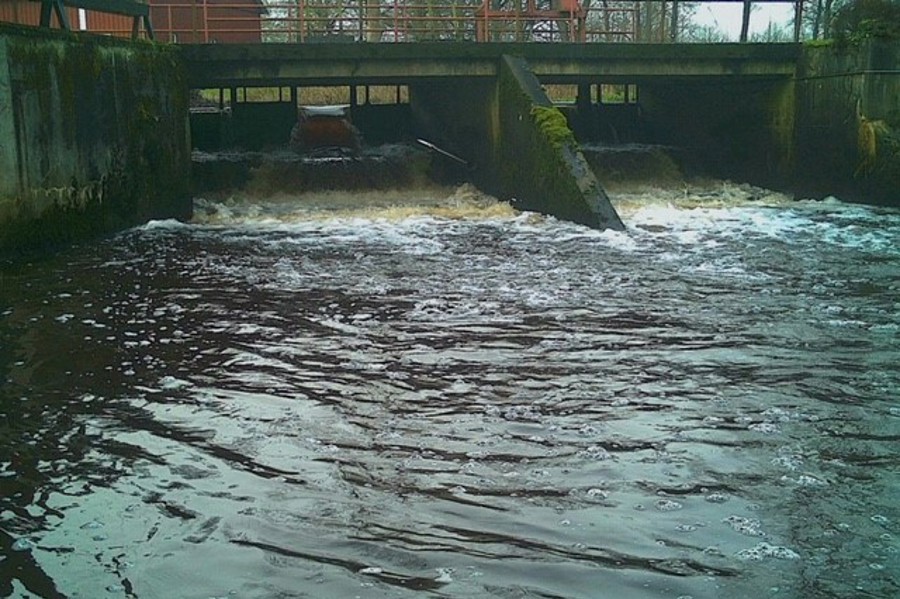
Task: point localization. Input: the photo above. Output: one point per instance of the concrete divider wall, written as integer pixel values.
(536, 157)
(520, 146)
(93, 136)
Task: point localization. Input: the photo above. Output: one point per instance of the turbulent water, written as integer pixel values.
(438, 396)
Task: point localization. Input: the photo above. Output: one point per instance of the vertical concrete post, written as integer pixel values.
(9, 164)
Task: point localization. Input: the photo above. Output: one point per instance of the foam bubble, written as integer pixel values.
(170, 383)
(597, 493)
(595, 452)
(717, 497)
(807, 480)
(668, 505)
(166, 224)
(444, 575)
(745, 526)
(22, 545)
(767, 428)
(765, 550)
(790, 462)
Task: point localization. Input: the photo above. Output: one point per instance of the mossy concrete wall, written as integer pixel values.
(93, 136)
(520, 146)
(848, 122)
(538, 160)
(741, 129)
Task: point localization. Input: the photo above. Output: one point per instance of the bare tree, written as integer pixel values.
(773, 33)
(817, 17)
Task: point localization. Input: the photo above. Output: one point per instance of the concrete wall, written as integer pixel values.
(538, 160)
(460, 116)
(93, 136)
(848, 122)
(832, 130)
(520, 146)
(737, 129)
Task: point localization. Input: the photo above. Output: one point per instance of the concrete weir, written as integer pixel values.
(93, 136)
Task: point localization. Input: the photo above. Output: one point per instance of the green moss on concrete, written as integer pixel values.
(553, 124)
(101, 137)
(537, 158)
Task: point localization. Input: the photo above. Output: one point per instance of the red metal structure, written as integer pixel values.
(208, 21)
(28, 12)
(568, 16)
(231, 21)
(293, 21)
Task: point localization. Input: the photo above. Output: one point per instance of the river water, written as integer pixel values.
(437, 396)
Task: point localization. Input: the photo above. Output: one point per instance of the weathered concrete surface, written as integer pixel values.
(93, 136)
(848, 122)
(741, 129)
(229, 65)
(833, 129)
(520, 145)
(538, 160)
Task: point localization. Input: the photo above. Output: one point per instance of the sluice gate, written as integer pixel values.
(485, 102)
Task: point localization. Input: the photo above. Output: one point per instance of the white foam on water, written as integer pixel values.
(740, 211)
(166, 224)
(765, 550)
(330, 208)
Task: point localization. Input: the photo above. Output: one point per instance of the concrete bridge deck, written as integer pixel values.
(264, 65)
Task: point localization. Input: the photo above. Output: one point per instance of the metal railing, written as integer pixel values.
(312, 21)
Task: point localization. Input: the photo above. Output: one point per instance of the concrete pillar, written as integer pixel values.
(539, 160)
(9, 164)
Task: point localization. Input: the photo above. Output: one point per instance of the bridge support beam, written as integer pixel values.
(521, 146)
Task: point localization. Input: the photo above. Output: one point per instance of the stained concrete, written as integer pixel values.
(94, 136)
(848, 122)
(520, 146)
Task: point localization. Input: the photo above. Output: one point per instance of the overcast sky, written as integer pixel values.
(726, 16)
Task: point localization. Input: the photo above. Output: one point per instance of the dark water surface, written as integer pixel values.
(458, 401)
